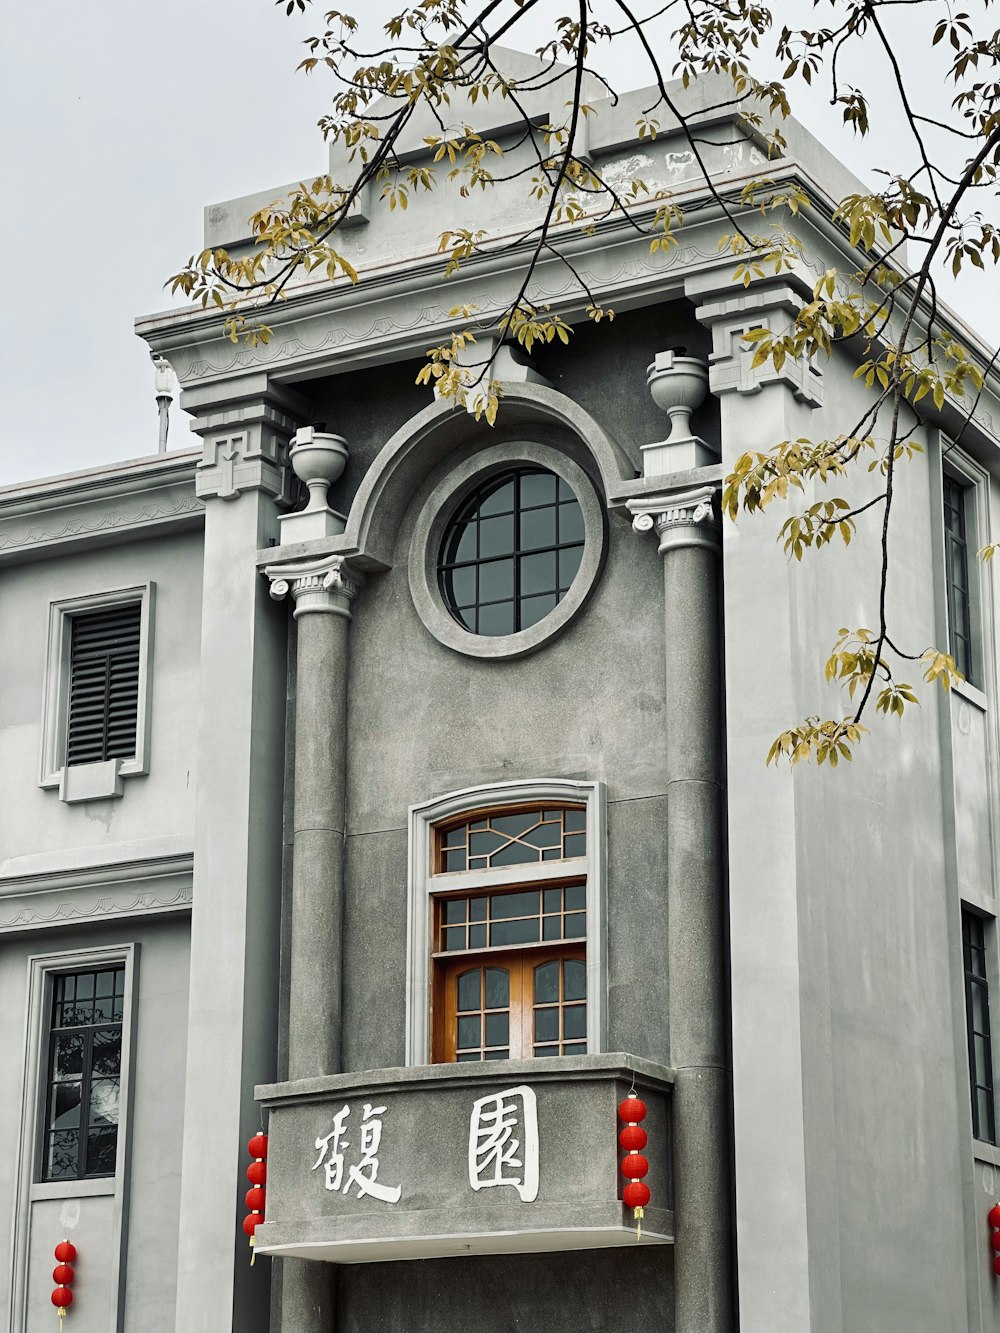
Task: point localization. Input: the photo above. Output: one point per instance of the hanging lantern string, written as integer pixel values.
(633, 1139)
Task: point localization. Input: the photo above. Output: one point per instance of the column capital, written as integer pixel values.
(679, 518)
(328, 585)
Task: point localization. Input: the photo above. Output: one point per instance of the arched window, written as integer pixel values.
(506, 924)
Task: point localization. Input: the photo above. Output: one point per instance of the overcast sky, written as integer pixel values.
(120, 121)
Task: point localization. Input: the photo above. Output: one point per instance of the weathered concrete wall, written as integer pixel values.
(158, 805)
(152, 1190)
(852, 1129)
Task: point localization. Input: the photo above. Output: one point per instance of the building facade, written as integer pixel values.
(422, 819)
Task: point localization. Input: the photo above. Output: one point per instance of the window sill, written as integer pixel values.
(73, 1189)
(92, 782)
(971, 694)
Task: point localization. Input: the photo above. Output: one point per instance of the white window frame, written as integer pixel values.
(91, 782)
(28, 1187)
(423, 884)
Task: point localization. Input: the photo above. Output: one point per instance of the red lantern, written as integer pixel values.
(993, 1219)
(633, 1138)
(636, 1194)
(256, 1197)
(62, 1297)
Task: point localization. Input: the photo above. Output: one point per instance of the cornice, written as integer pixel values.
(93, 508)
(74, 895)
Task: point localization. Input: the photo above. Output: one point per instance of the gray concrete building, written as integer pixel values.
(421, 820)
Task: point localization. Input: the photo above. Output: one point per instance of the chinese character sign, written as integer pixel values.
(363, 1175)
(503, 1142)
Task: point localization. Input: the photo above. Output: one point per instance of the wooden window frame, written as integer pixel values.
(424, 888)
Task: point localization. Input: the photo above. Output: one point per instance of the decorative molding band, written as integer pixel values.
(327, 586)
(91, 522)
(96, 893)
(683, 518)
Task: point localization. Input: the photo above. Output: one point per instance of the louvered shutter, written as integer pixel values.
(104, 685)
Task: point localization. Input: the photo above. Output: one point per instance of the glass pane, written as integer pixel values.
(63, 1155)
(980, 1048)
(574, 979)
(534, 609)
(576, 897)
(104, 1009)
(514, 904)
(979, 1008)
(538, 488)
(477, 937)
(469, 1032)
(105, 983)
(538, 573)
(104, 1101)
(477, 863)
(454, 937)
(514, 854)
(463, 1057)
(576, 926)
(462, 544)
(496, 619)
(477, 909)
(576, 844)
(497, 988)
(570, 523)
(575, 1021)
(454, 910)
(65, 1111)
(108, 1053)
(546, 1025)
(455, 837)
(102, 1144)
(515, 932)
(455, 860)
(67, 1058)
(547, 983)
(496, 536)
(575, 1048)
(496, 580)
(500, 502)
(555, 854)
(460, 585)
(545, 835)
(512, 826)
(498, 1055)
(466, 618)
(542, 1051)
(483, 844)
(469, 990)
(497, 1029)
(552, 900)
(574, 820)
(85, 986)
(552, 928)
(538, 528)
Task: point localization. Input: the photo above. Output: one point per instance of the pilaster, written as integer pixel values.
(242, 481)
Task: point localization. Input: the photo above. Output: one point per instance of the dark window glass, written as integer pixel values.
(956, 551)
(103, 685)
(511, 552)
(977, 1023)
(84, 1074)
(512, 839)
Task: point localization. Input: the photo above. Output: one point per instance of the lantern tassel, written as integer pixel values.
(638, 1214)
(62, 1315)
(253, 1251)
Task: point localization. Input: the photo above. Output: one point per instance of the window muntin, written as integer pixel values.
(509, 959)
(510, 554)
(977, 1024)
(512, 838)
(956, 548)
(102, 715)
(83, 1078)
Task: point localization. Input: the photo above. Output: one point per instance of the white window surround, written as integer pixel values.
(976, 481)
(28, 1189)
(422, 885)
(91, 782)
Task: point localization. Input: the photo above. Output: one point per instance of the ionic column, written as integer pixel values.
(322, 591)
(686, 528)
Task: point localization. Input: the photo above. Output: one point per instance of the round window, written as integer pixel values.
(511, 552)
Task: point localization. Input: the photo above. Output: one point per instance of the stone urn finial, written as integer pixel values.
(678, 384)
(318, 458)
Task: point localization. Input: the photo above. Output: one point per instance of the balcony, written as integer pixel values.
(519, 1156)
